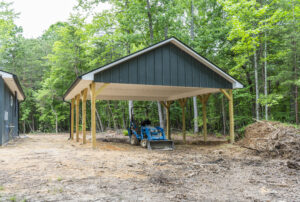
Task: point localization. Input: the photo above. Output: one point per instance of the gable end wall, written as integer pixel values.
(166, 65)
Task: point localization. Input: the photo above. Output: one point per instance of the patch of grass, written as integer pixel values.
(13, 199)
(218, 135)
(228, 138)
(125, 132)
(59, 179)
(60, 190)
(1, 188)
(290, 124)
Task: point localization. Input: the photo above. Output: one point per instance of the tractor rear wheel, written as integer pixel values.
(143, 143)
(134, 140)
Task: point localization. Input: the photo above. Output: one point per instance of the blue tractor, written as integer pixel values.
(148, 136)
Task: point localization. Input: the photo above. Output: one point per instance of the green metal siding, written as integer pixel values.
(8, 104)
(1, 109)
(166, 65)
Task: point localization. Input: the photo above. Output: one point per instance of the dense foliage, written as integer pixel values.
(256, 41)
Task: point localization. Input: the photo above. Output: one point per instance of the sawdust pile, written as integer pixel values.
(273, 139)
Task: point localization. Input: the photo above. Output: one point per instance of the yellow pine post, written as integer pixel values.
(72, 118)
(77, 117)
(167, 105)
(93, 113)
(231, 118)
(84, 94)
(229, 96)
(182, 103)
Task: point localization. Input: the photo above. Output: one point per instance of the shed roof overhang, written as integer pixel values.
(115, 90)
(13, 84)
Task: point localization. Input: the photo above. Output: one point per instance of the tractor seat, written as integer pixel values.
(146, 122)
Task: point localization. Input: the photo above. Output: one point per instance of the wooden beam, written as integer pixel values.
(77, 117)
(93, 113)
(203, 99)
(225, 93)
(167, 105)
(191, 93)
(182, 103)
(72, 118)
(99, 90)
(84, 95)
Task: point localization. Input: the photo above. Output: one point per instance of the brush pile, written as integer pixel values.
(273, 139)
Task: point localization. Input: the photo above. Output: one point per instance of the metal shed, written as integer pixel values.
(165, 72)
(11, 94)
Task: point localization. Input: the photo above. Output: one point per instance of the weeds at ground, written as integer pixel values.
(13, 199)
(1, 188)
(219, 135)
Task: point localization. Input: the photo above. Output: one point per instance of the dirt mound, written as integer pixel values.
(273, 139)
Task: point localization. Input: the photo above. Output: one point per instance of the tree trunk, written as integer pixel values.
(223, 116)
(151, 41)
(99, 121)
(150, 21)
(130, 107)
(24, 127)
(32, 118)
(296, 77)
(166, 32)
(112, 116)
(266, 78)
(256, 86)
(124, 117)
(192, 21)
(56, 123)
(196, 128)
(161, 120)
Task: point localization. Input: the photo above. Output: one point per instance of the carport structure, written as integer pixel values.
(167, 71)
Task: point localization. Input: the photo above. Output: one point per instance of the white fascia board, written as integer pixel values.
(6, 75)
(235, 83)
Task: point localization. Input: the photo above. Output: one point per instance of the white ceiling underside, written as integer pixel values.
(116, 91)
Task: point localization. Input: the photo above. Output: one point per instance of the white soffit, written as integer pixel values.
(117, 91)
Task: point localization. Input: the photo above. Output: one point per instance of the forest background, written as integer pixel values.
(255, 41)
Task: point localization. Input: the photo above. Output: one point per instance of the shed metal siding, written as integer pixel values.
(166, 65)
(1, 109)
(9, 107)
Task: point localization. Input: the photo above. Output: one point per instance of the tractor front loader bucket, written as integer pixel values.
(160, 145)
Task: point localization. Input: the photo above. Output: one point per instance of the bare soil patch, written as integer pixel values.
(53, 168)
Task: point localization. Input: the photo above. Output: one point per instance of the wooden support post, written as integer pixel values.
(203, 99)
(229, 96)
(167, 105)
(182, 103)
(77, 117)
(93, 113)
(84, 95)
(72, 118)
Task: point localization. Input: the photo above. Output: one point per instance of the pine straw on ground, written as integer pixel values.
(273, 139)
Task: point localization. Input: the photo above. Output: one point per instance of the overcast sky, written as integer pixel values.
(37, 15)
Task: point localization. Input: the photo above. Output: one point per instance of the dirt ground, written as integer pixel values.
(53, 168)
